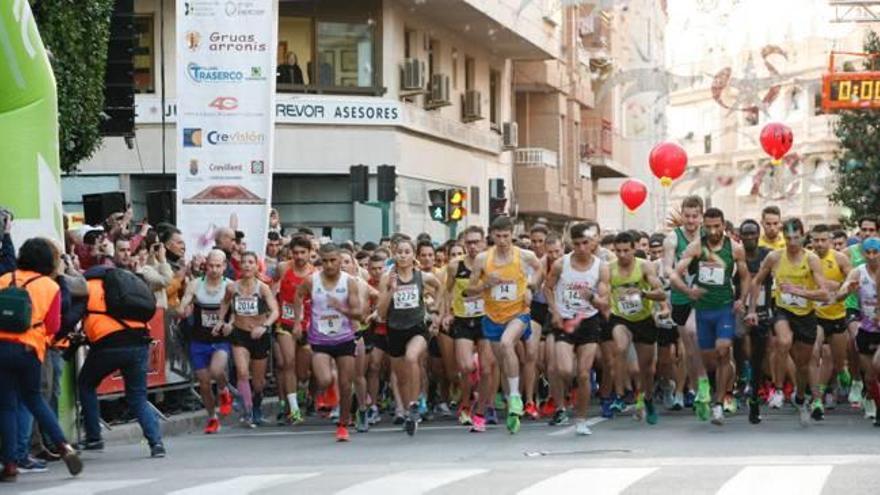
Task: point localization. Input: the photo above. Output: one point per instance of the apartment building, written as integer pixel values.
(426, 86)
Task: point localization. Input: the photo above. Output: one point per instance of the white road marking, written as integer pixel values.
(244, 484)
(599, 481)
(78, 487)
(411, 482)
(778, 480)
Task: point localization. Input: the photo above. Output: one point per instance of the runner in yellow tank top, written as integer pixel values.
(831, 317)
(799, 284)
(499, 275)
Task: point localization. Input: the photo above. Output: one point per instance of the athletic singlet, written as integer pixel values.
(714, 274)
(678, 297)
(464, 306)
(407, 309)
(507, 299)
(206, 310)
(328, 326)
(799, 275)
(831, 270)
(570, 287)
(857, 259)
(867, 296)
(626, 303)
(765, 295)
(286, 295)
(248, 305)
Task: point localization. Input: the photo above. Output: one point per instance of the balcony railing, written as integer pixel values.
(536, 157)
(598, 138)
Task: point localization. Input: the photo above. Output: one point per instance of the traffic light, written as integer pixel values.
(455, 200)
(437, 208)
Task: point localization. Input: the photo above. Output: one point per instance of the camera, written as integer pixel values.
(6, 216)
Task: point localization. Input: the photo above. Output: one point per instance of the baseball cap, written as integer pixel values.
(871, 244)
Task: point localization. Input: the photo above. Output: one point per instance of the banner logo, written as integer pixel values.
(193, 40)
(192, 137)
(224, 103)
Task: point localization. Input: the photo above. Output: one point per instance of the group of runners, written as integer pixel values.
(706, 317)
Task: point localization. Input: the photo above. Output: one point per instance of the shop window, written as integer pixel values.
(144, 55)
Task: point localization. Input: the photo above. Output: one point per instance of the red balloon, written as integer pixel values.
(633, 193)
(668, 161)
(776, 139)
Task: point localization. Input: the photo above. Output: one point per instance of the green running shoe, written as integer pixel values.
(702, 410)
(650, 412)
(844, 378)
(513, 423)
(515, 405)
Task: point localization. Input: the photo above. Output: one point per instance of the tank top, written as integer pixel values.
(569, 290)
(681, 244)
(253, 304)
(407, 308)
(286, 296)
(765, 295)
(507, 299)
(831, 270)
(714, 274)
(327, 325)
(857, 258)
(464, 306)
(206, 310)
(867, 297)
(799, 275)
(630, 306)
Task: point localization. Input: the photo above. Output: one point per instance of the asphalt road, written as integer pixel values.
(679, 455)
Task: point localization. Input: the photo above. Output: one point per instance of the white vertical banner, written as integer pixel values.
(225, 118)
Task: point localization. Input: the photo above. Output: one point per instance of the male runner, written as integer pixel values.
(798, 283)
(716, 257)
(538, 237)
(500, 275)
(771, 220)
(575, 287)
(867, 228)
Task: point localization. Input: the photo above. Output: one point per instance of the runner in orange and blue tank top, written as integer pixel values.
(500, 275)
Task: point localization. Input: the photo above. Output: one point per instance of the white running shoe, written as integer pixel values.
(443, 410)
(334, 414)
(870, 408)
(776, 400)
(717, 415)
(855, 393)
(582, 428)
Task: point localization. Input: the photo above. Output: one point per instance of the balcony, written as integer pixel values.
(540, 76)
(538, 191)
(536, 157)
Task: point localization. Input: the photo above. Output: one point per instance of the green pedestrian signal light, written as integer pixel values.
(437, 208)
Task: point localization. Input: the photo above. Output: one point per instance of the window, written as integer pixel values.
(144, 60)
(469, 73)
(433, 58)
(407, 43)
(345, 54)
(494, 96)
(475, 200)
(294, 51)
(454, 68)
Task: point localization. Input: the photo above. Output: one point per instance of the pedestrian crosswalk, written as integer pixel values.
(742, 480)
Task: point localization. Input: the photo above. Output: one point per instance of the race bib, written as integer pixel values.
(689, 279)
(573, 298)
(329, 324)
(287, 311)
(246, 306)
(793, 301)
(711, 274)
(210, 318)
(631, 303)
(505, 291)
(474, 307)
(406, 297)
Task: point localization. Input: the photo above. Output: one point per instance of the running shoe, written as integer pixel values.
(830, 400)
(515, 405)
(491, 416)
(281, 418)
(855, 393)
(650, 412)
(513, 423)
(74, 463)
(213, 426)
(360, 421)
(689, 399)
(668, 394)
(464, 416)
(560, 418)
(870, 409)
(295, 416)
(500, 403)
(399, 418)
(246, 420)
(157, 451)
(818, 413)
(639, 413)
(607, 412)
(423, 406)
(32, 465)
(341, 433)
(729, 404)
(373, 416)
(703, 410)
(257, 419)
(717, 415)
(788, 391)
(617, 405)
(442, 409)
(479, 424)
(754, 411)
(412, 419)
(629, 397)
(548, 408)
(776, 400)
(531, 411)
(334, 413)
(91, 445)
(678, 402)
(225, 400)
(582, 428)
(844, 378)
(701, 402)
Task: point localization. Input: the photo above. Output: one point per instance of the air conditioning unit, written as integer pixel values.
(471, 106)
(509, 135)
(439, 96)
(413, 75)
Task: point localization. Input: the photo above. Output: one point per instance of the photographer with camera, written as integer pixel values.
(7, 249)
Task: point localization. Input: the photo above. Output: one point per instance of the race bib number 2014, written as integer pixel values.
(246, 306)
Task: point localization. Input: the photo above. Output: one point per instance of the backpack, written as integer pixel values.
(16, 307)
(127, 296)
